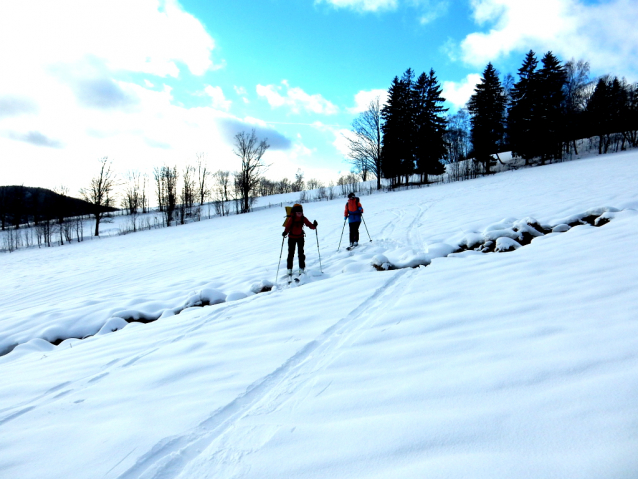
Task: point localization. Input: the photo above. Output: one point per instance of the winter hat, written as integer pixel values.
(351, 195)
(297, 208)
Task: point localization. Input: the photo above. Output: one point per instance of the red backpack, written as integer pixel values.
(353, 205)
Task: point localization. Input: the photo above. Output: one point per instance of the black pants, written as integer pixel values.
(354, 231)
(298, 242)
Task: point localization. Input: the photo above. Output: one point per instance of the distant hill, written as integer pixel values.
(23, 204)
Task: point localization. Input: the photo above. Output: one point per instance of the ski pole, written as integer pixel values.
(319, 252)
(344, 226)
(364, 224)
(280, 253)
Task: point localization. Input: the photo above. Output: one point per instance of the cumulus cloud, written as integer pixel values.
(458, 93)
(603, 33)
(217, 96)
(91, 73)
(296, 99)
(364, 97)
(151, 36)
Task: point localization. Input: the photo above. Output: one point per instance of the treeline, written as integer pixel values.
(50, 213)
(540, 115)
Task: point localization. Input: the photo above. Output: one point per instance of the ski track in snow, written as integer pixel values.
(216, 444)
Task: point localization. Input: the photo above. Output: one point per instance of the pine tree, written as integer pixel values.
(522, 122)
(430, 146)
(487, 107)
(398, 115)
(551, 101)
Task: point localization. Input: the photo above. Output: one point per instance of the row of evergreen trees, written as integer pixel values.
(539, 116)
(414, 127)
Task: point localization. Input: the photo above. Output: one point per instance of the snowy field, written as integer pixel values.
(520, 364)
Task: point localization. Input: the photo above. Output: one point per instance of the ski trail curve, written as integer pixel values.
(196, 453)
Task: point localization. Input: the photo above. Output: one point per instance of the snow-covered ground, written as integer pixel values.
(502, 365)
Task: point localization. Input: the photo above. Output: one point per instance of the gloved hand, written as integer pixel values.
(283, 234)
(315, 223)
(345, 218)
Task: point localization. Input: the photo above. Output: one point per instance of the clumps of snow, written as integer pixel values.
(36, 345)
(561, 228)
(504, 244)
(470, 241)
(381, 263)
(205, 297)
(510, 234)
(261, 286)
(137, 316)
(605, 218)
(112, 325)
(594, 216)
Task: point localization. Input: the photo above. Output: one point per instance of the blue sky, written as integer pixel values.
(150, 82)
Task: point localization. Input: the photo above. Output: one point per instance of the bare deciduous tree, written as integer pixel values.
(222, 192)
(314, 183)
(187, 196)
(250, 151)
(166, 190)
(203, 192)
(133, 197)
(364, 142)
(101, 192)
(298, 185)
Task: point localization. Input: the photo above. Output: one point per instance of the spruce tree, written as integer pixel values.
(430, 146)
(551, 101)
(522, 121)
(487, 107)
(398, 115)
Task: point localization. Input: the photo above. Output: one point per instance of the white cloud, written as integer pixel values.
(66, 104)
(427, 10)
(340, 142)
(217, 95)
(458, 93)
(603, 33)
(363, 5)
(364, 97)
(296, 99)
(431, 10)
(135, 35)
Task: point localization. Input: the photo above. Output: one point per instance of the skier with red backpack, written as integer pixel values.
(294, 230)
(353, 213)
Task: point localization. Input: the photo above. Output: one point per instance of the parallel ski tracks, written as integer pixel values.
(172, 455)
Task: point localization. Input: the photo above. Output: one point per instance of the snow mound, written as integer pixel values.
(34, 346)
(561, 228)
(506, 244)
(112, 325)
(205, 297)
(236, 296)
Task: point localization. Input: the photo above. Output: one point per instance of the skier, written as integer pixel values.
(353, 213)
(294, 229)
